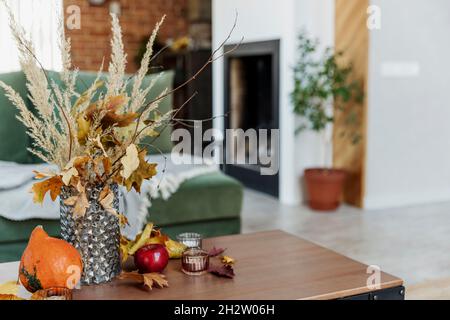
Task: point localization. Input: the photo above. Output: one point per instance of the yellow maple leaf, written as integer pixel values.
(145, 171)
(125, 246)
(130, 161)
(161, 239)
(175, 249)
(10, 297)
(10, 287)
(52, 185)
(149, 280)
(141, 239)
(84, 126)
(43, 175)
(228, 260)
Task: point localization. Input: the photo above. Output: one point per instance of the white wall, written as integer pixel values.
(319, 23)
(267, 20)
(408, 139)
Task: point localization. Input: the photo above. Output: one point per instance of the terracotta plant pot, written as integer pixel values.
(324, 188)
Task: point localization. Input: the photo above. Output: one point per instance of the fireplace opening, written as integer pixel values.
(252, 102)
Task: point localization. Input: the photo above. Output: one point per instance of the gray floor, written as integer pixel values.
(411, 243)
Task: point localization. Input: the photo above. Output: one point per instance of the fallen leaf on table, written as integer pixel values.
(175, 249)
(225, 271)
(149, 280)
(214, 252)
(228, 260)
(10, 297)
(10, 287)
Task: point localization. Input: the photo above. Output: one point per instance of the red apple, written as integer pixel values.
(151, 258)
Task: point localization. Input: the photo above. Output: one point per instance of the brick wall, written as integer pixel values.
(92, 42)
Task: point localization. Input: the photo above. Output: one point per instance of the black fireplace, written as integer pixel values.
(251, 96)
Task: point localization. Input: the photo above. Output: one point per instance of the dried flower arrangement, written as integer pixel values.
(94, 137)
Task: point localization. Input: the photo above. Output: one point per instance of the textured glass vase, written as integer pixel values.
(96, 235)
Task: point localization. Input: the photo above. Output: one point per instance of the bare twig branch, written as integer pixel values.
(210, 60)
(182, 106)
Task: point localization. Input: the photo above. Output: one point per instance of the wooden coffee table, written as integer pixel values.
(270, 265)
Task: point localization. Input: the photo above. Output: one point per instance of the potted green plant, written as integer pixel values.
(322, 88)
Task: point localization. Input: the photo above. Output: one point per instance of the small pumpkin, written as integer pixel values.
(49, 262)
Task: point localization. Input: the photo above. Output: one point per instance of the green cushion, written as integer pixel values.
(162, 143)
(14, 140)
(10, 252)
(206, 197)
(16, 231)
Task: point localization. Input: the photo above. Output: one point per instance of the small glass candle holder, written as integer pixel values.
(190, 239)
(55, 293)
(195, 262)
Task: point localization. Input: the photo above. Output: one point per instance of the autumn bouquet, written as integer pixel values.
(94, 139)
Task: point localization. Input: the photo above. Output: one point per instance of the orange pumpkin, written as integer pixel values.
(49, 262)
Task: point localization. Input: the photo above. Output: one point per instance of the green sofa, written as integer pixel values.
(209, 204)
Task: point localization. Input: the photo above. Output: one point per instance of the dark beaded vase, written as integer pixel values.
(96, 235)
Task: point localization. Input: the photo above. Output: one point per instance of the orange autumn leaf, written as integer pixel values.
(145, 171)
(149, 280)
(42, 175)
(80, 162)
(107, 165)
(108, 111)
(52, 185)
(116, 102)
(118, 120)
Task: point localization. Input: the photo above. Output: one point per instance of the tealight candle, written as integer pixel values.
(195, 262)
(190, 239)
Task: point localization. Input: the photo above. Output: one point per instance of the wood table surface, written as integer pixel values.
(270, 265)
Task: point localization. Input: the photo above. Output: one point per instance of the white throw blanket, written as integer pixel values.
(17, 203)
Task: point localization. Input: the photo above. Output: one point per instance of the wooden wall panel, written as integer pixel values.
(352, 36)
